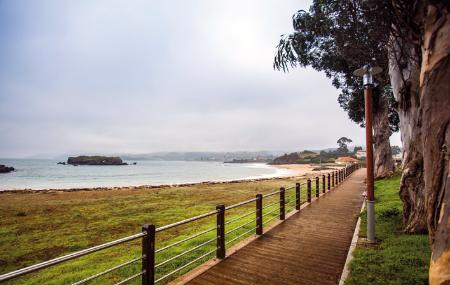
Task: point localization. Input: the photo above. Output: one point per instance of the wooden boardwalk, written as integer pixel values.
(308, 248)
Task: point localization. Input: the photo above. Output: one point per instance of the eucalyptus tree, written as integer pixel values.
(410, 39)
(335, 37)
(342, 142)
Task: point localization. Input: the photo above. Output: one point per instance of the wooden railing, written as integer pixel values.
(264, 214)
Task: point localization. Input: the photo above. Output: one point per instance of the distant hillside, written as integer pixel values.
(308, 157)
(205, 156)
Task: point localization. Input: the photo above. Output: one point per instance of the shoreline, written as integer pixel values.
(296, 171)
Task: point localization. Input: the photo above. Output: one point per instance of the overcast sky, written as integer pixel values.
(88, 76)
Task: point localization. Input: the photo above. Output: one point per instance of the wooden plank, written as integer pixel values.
(308, 248)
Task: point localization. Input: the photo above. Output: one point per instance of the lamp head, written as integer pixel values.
(367, 72)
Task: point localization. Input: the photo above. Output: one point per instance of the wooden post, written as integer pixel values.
(259, 213)
(297, 196)
(282, 210)
(337, 180)
(148, 251)
(323, 183)
(329, 182)
(220, 252)
(317, 187)
(308, 184)
(332, 179)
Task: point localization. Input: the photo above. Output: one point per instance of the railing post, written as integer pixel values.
(220, 252)
(148, 253)
(317, 187)
(309, 190)
(282, 209)
(337, 181)
(297, 196)
(323, 183)
(259, 213)
(329, 182)
(332, 179)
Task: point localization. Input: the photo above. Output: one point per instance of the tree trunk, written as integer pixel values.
(435, 105)
(404, 71)
(383, 161)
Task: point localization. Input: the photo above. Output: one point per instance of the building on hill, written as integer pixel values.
(346, 160)
(360, 154)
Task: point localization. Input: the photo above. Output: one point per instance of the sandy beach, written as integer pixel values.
(306, 169)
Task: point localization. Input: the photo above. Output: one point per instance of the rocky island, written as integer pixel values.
(95, 160)
(5, 169)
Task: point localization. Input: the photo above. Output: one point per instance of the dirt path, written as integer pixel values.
(308, 248)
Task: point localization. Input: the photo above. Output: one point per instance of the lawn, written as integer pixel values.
(397, 258)
(35, 227)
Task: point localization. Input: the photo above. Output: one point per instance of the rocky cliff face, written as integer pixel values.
(95, 160)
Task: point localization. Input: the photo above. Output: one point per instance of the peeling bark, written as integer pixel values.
(404, 71)
(383, 161)
(435, 104)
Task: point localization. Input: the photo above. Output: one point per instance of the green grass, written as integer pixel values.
(398, 258)
(35, 227)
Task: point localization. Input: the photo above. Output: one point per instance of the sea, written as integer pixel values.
(39, 174)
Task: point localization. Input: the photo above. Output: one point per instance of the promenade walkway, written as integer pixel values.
(310, 247)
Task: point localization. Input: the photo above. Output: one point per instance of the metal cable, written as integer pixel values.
(239, 236)
(271, 194)
(184, 266)
(270, 205)
(70, 256)
(241, 226)
(163, 228)
(107, 271)
(185, 252)
(240, 217)
(184, 240)
(130, 278)
(270, 212)
(269, 220)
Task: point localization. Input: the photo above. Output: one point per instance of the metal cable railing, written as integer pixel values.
(240, 217)
(149, 232)
(185, 240)
(107, 271)
(184, 266)
(184, 253)
(126, 280)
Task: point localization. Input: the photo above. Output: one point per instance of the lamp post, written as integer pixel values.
(367, 72)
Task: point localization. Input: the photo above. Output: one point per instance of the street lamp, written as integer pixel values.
(367, 72)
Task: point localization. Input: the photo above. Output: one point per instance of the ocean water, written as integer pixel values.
(47, 174)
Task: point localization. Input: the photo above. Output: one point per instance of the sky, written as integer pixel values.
(94, 76)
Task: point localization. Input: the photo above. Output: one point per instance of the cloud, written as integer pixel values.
(143, 76)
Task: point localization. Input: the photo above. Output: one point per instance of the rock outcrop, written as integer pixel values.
(5, 169)
(95, 160)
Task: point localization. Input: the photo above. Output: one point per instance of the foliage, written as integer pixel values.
(342, 142)
(398, 258)
(337, 37)
(357, 148)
